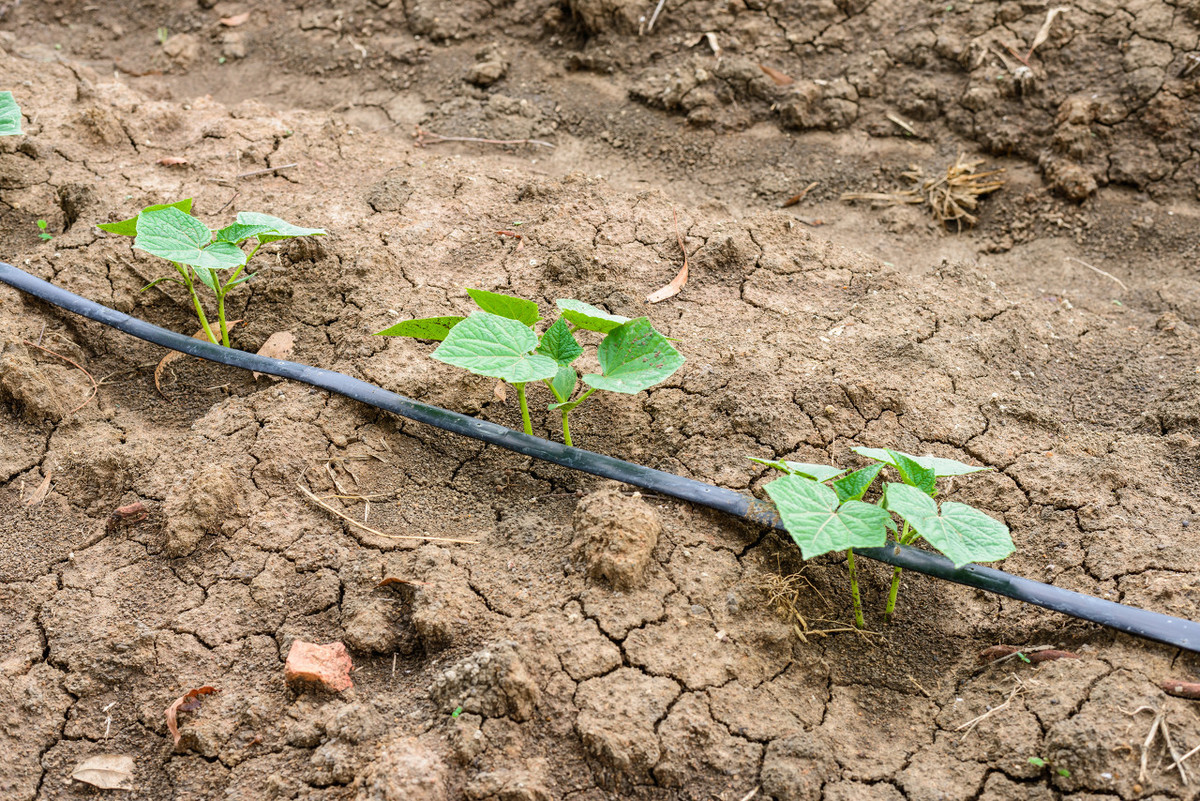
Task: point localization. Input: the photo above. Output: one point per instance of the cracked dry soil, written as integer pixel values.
(652, 665)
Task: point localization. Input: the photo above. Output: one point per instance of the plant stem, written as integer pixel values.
(895, 589)
(859, 623)
(524, 409)
(566, 431)
(187, 278)
(221, 319)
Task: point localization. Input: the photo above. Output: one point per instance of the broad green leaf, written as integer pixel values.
(961, 532)
(129, 227)
(10, 115)
(913, 474)
(942, 468)
(279, 229)
(422, 328)
(855, 485)
(181, 238)
(559, 343)
(491, 345)
(506, 305)
(817, 472)
(588, 317)
(818, 525)
(564, 382)
(239, 232)
(634, 357)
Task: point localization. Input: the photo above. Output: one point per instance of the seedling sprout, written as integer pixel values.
(823, 511)
(500, 341)
(169, 231)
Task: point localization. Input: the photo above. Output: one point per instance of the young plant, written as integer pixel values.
(501, 341)
(45, 237)
(822, 519)
(10, 115)
(201, 256)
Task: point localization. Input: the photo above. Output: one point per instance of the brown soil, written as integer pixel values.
(622, 647)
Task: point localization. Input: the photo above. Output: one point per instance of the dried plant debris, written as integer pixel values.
(951, 197)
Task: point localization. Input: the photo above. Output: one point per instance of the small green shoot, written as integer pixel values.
(162, 34)
(1024, 658)
(457, 711)
(823, 519)
(501, 341)
(10, 115)
(201, 256)
(45, 237)
(1038, 762)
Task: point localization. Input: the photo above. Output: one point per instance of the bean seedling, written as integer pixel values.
(500, 341)
(823, 511)
(169, 231)
(10, 115)
(45, 237)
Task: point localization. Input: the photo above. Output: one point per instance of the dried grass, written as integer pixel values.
(951, 197)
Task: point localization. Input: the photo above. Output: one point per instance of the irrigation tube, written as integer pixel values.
(1131, 620)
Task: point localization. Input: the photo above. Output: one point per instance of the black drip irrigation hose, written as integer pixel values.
(1131, 620)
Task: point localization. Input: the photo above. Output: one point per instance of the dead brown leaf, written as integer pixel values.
(775, 75)
(278, 346)
(43, 489)
(1044, 32)
(500, 392)
(173, 161)
(235, 20)
(188, 702)
(106, 771)
(796, 198)
(672, 289)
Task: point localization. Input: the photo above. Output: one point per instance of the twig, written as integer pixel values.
(676, 285)
(796, 198)
(1166, 733)
(229, 202)
(368, 529)
(95, 387)
(902, 124)
(424, 138)
(253, 173)
(654, 17)
(1099, 271)
(1185, 757)
(751, 794)
(973, 722)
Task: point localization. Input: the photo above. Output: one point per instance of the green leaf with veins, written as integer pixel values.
(278, 229)
(913, 474)
(560, 344)
(10, 115)
(588, 317)
(564, 383)
(506, 306)
(239, 232)
(181, 238)
(422, 328)
(811, 513)
(129, 227)
(855, 485)
(942, 468)
(634, 357)
(961, 532)
(775, 463)
(208, 278)
(491, 345)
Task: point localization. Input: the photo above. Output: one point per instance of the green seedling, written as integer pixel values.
(501, 341)
(823, 510)
(10, 115)
(45, 237)
(201, 256)
(1038, 762)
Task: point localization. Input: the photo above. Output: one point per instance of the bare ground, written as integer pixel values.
(807, 330)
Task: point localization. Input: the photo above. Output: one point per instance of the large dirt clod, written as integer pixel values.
(617, 534)
(492, 682)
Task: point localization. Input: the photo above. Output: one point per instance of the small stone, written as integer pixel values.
(486, 73)
(327, 666)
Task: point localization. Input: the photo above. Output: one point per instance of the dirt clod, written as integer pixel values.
(492, 682)
(405, 770)
(198, 506)
(617, 534)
